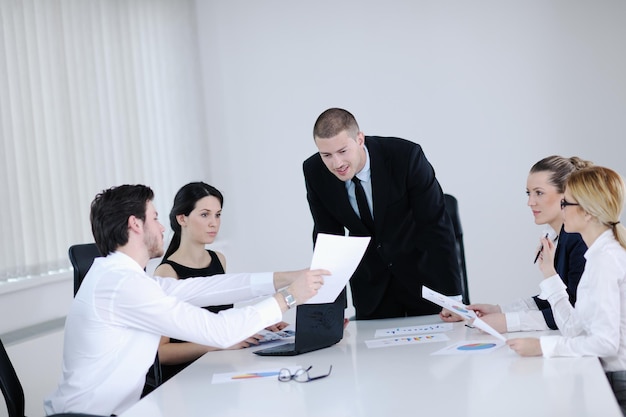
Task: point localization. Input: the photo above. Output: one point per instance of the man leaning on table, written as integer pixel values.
(114, 325)
(401, 207)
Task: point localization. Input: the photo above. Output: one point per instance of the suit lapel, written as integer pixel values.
(562, 240)
(379, 175)
(338, 202)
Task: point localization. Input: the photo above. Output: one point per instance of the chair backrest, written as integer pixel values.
(82, 256)
(452, 208)
(10, 385)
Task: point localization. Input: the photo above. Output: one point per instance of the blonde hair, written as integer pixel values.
(600, 192)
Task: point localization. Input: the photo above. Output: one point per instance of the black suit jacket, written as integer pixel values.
(414, 241)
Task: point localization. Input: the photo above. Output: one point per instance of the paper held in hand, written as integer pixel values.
(340, 255)
(459, 308)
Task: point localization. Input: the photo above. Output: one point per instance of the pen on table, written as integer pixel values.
(539, 252)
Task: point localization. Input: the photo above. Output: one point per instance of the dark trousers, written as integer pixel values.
(392, 305)
(617, 380)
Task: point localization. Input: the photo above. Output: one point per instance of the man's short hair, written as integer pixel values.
(110, 211)
(334, 121)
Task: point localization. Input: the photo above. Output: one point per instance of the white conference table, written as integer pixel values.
(390, 380)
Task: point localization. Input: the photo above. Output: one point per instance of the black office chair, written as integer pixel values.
(82, 257)
(13, 391)
(452, 208)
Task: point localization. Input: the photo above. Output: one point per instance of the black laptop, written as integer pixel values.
(317, 326)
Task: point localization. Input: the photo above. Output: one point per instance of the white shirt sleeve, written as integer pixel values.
(219, 289)
(554, 290)
(593, 327)
(523, 315)
(521, 304)
(524, 321)
(163, 306)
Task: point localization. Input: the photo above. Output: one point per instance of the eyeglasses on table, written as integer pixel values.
(300, 375)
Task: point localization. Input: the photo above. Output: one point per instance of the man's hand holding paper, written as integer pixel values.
(340, 255)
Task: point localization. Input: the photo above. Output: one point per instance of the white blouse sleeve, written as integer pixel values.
(593, 327)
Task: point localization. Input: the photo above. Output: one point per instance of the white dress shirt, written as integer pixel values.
(597, 326)
(114, 325)
(523, 315)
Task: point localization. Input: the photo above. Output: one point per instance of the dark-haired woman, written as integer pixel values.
(195, 219)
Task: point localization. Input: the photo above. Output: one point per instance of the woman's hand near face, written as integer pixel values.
(546, 257)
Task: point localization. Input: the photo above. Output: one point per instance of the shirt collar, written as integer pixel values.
(599, 243)
(122, 258)
(364, 174)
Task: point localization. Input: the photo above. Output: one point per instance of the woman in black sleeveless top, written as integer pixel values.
(195, 219)
(189, 351)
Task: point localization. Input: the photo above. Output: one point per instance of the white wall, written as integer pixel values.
(486, 87)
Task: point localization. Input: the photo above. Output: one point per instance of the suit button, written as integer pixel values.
(379, 246)
(389, 265)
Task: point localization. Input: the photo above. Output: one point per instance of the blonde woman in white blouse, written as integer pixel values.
(592, 205)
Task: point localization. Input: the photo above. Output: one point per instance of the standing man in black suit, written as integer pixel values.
(412, 237)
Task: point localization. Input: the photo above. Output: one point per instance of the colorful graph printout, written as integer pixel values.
(477, 346)
(470, 347)
(406, 340)
(408, 330)
(250, 375)
(263, 374)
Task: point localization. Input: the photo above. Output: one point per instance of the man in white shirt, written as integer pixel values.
(114, 325)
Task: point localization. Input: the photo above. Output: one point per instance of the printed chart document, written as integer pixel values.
(406, 340)
(410, 330)
(460, 309)
(470, 347)
(340, 255)
(267, 374)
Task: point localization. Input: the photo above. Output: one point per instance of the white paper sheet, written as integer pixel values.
(460, 309)
(340, 255)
